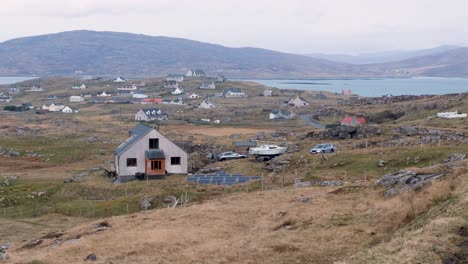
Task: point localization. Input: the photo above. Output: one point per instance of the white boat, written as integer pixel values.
(268, 150)
(451, 115)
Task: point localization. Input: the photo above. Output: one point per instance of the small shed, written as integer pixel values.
(243, 147)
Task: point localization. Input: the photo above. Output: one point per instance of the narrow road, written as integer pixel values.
(308, 120)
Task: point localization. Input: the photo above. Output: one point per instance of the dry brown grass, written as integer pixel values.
(248, 228)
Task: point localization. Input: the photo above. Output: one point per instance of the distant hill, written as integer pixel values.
(130, 55)
(381, 57)
(451, 63)
(111, 53)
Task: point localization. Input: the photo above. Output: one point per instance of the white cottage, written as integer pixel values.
(78, 87)
(194, 96)
(297, 102)
(119, 80)
(280, 114)
(177, 91)
(150, 114)
(206, 105)
(67, 110)
(267, 93)
(233, 93)
(148, 153)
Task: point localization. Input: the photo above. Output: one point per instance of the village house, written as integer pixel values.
(27, 106)
(281, 114)
(206, 105)
(35, 88)
(147, 153)
(78, 87)
(13, 90)
(297, 102)
(353, 121)
(139, 95)
(243, 147)
(127, 87)
(193, 96)
(177, 91)
(150, 114)
(4, 98)
(267, 93)
(233, 93)
(175, 78)
(67, 110)
(195, 73)
(76, 99)
(119, 80)
(220, 79)
(103, 94)
(57, 107)
(208, 86)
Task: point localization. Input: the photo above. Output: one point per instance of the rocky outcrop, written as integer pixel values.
(429, 135)
(345, 132)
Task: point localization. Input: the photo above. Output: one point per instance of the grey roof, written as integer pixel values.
(136, 133)
(154, 154)
(245, 143)
(233, 90)
(281, 111)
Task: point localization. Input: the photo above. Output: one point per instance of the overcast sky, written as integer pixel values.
(297, 26)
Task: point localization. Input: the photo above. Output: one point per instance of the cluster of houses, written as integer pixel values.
(5, 98)
(55, 107)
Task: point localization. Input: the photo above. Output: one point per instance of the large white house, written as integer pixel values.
(67, 110)
(148, 153)
(150, 114)
(281, 114)
(195, 73)
(78, 87)
(129, 87)
(53, 107)
(76, 99)
(193, 96)
(139, 95)
(233, 93)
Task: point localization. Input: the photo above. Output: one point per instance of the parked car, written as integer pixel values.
(230, 155)
(323, 148)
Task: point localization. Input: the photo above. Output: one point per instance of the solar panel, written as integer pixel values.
(221, 178)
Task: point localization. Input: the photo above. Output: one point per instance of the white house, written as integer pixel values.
(119, 80)
(208, 86)
(139, 95)
(103, 94)
(76, 99)
(195, 73)
(4, 98)
(194, 96)
(78, 87)
(129, 87)
(35, 88)
(281, 114)
(267, 93)
(175, 78)
(67, 110)
(150, 114)
(14, 90)
(297, 102)
(206, 105)
(233, 93)
(177, 90)
(148, 153)
(53, 107)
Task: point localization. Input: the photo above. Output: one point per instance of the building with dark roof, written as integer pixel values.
(147, 152)
(150, 114)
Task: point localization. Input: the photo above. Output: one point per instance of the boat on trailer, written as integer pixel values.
(452, 115)
(267, 151)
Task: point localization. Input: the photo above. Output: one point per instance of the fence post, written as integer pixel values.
(262, 181)
(127, 209)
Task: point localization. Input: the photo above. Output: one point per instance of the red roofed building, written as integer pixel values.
(151, 100)
(353, 121)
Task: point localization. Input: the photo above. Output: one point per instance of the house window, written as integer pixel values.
(131, 162)
(156, 165)
(175, 160)
(154, 143)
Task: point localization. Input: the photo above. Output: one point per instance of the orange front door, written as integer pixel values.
(155, 167)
